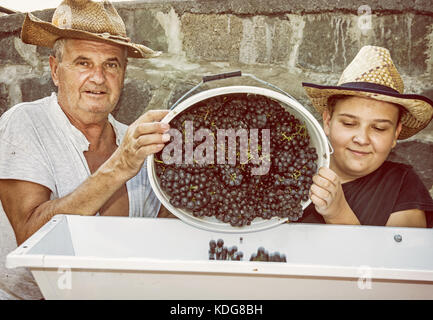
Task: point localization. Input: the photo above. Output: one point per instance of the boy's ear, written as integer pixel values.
(397, 133)
(326, 117)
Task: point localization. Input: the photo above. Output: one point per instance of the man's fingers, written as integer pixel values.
(149, 149)
(149, 139)
(154, 115)
(149, 128)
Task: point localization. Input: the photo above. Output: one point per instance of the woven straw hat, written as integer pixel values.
(83, 19)
(373, 74)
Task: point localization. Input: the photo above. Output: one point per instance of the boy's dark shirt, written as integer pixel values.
(390, 188)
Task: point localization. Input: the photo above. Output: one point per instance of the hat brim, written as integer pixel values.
(45, 34)
(419, 108)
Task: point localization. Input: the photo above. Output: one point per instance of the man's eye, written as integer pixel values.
(83, 63)
(112, 65)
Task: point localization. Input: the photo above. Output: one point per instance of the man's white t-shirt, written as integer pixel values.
(39, 144)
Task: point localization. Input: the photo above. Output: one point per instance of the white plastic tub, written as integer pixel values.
(74, 257)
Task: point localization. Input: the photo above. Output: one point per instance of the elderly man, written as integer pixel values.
(66, 154)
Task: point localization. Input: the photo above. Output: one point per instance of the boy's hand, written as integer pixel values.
(327, 193)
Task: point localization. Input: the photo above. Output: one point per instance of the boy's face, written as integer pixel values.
(362, 132)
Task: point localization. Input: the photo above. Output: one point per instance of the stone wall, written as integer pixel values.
(281, 42)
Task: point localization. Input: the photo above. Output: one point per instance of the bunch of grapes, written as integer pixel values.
(263, 255)
(230, 192)
(218, 251)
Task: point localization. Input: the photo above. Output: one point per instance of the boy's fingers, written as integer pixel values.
(329, 175)
(321, 193)
(317, 201)
(323, 182)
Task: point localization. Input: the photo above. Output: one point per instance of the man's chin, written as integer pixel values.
(99, 108)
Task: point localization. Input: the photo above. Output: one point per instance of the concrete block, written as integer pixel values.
(172, 37)
(211, 37)
(8, 54)
(418, 155)
(4, 98)
(247, 40)
(34, 88)
(142, 27)
(406, 36)
(133, 101)
(329, 43)
(267, 40)
(179, 90)
(43, 53)
(11, 24)
(421, 45)
(428, 93)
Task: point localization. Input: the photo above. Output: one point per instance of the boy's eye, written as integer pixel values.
(379, 129)
(348, 124)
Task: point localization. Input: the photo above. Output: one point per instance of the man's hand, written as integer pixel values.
(144, 137)
(327, 195)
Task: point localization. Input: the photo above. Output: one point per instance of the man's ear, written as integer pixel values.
(54, 66)
(326, 117)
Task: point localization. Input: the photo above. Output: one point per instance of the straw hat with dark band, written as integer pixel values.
(373, 74)
(82, 19)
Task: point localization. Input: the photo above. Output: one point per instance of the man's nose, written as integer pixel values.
(97, 75)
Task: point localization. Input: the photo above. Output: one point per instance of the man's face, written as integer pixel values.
(362, 132)
(89, 78)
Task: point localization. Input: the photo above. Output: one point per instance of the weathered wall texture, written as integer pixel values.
(282, 42)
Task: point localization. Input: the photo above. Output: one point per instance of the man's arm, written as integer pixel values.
(28, 205)
(164, 213)
(19, 200)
